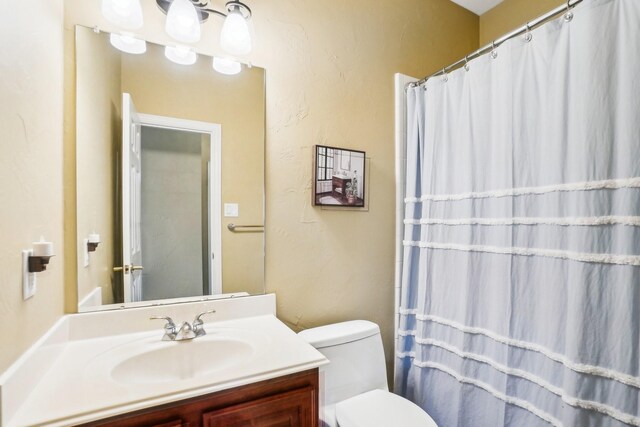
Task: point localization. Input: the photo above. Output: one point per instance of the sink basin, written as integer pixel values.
(181, 360)
(144, 359)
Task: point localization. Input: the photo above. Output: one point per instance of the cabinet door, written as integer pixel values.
(289, 409)
(147, 421)
(176, 423)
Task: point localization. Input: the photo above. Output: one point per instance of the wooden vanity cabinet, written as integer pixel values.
(289, 401)
(339, 183)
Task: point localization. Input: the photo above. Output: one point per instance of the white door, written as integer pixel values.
(131, 201)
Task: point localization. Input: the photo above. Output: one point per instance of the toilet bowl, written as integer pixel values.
(354, 391)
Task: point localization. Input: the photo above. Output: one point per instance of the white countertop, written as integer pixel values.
(77, 387)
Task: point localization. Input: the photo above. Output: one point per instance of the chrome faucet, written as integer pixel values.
(185, 331)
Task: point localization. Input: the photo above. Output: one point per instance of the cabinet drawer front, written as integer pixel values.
(289, 409)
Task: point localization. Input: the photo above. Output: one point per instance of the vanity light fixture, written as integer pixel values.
(226, 66)
(184, 18)
(234, 37)
(128, 43)
(183, 21)
(180, 55)
(128, 15)
(123, 13)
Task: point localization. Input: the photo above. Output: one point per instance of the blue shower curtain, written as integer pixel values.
(520, 293)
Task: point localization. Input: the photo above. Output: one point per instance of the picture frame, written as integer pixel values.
(339, 177)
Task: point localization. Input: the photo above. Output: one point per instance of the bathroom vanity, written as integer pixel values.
(113, 368)
(288, 401)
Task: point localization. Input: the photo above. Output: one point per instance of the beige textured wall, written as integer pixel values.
(511, 14)
(330, 69)
(98, 133)
(31, 192)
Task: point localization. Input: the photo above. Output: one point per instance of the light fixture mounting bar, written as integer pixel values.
(204, 11)
(244, 10)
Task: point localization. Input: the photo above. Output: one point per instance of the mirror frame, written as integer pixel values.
(169, 301)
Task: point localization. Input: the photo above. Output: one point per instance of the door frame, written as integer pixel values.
(214, 130)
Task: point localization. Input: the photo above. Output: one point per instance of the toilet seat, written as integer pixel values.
(378, 408)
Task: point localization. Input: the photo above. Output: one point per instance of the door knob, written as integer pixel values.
(128, 268)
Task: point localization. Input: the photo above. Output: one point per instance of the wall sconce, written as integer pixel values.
(34, 261)
(92, 242)
(40, 255)
(89, 244)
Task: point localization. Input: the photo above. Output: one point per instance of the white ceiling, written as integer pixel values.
(478, 6)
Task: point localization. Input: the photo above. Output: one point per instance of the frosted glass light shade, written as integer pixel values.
(226, 66)
(123, 13)
(234, 37)
(183, 23)
(180, 55)
(128, 44)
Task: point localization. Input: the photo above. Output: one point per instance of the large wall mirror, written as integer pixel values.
(170, 177)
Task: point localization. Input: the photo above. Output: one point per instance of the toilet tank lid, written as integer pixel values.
(339, 333)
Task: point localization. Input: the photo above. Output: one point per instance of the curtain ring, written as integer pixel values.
(527, 35)
(445, 78)
(568, 16)
(494, 54)
(466, 62)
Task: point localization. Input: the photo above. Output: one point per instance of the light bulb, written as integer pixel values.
(180, 55)
(183, 23)
(235, 37)
(128, 43)
(123, 13)
(226, 66)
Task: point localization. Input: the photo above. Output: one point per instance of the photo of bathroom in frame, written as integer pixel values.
(339, 177)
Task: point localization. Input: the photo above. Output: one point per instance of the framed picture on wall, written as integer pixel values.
(339, 177)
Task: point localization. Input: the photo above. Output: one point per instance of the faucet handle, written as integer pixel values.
(197, 323)
(198, 319)
(169, 327)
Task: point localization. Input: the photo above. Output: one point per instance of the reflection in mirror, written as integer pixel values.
(161, 148)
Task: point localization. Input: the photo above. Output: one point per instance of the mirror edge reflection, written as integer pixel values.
(161, 302)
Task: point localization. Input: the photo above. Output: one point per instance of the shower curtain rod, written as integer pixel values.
(565, 8)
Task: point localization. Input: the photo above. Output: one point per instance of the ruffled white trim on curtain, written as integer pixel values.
(582, 368)
(486, 387)
(548, 253)
(560, 221)
(607, 184)
(570, 400)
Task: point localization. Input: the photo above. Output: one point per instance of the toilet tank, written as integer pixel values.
(356, 357)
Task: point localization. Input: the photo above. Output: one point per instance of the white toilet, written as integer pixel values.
(355, 381)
